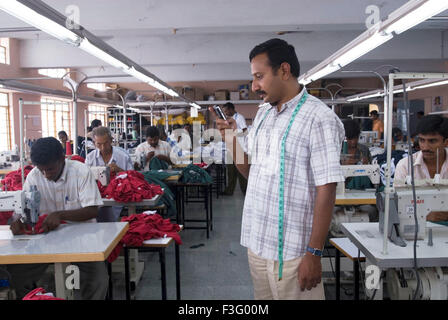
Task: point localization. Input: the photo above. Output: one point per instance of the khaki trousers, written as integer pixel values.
(267, 286)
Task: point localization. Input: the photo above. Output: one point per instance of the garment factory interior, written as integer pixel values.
(122, 85)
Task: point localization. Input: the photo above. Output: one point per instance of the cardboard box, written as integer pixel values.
(234, 95)
(188, 92)
(199, 94)
(222, 95)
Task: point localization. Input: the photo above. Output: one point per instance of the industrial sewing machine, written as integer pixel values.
(401, 224)
(102, 174)
(343, 214)
(370, 170)
(24, 203)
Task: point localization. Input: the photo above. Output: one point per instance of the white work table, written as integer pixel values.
(367, 237)
(74, 242)
(145, 202)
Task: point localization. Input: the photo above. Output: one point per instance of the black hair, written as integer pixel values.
(62, 132)
(152, 132)
(278, 51)
(396, 131)
(46, 151)
(421, 113)
(432, 124)
(374, 112)
(89, 129)
(96, 123)
(229, 105)
(352, 129)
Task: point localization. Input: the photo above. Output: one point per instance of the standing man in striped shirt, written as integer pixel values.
(294, 151)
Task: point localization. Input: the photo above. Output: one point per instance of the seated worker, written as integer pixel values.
(68, 192)
(94, 124)
(377, 124)
(357, 153)
(153, 147)
(117, 159)
(397, 135)
(432, 131)
(63, 137)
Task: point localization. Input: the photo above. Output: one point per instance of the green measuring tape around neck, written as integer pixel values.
(281, 193)
(282, 180)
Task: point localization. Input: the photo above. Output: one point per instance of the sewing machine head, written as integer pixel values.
(102, 174)
(368, 137)
(365, 170)
(24, 203)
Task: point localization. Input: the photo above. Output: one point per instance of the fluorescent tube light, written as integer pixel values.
(139, 75)
(427, 10)
(319, 74)
(362, 48)
(33, 18)
(434, 84)
(102, 55)
(373, 95)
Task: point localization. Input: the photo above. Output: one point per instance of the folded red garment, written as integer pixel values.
(102, 189)
(40, 294)
(13, 180)
(38, 227)
(131, 186)
(78, 158)
(144, 227)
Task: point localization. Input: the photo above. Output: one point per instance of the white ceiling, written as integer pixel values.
(213, 38)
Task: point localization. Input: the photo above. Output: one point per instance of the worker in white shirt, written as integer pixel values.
(68, 193)
(116, 158)
(152, 147)
(232, 171)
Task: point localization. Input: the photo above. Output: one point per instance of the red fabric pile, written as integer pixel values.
(201, 165)
(40, 294)
(13, 180)
(4, 217)
(38, 227)
(144, 227)
(131, 186)
(102, 189)
(77, 158)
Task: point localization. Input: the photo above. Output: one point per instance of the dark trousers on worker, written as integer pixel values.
(233, 174)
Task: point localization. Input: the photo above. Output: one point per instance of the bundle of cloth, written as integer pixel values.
(130, 186)
(194, 174)
(143, 227)
(40, 294)
(77, 158)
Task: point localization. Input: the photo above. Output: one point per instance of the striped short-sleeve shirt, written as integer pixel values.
(312, 158)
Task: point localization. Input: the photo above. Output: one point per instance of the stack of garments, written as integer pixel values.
(12, 182)
(194, 174)
(144, 227)
(131, 186)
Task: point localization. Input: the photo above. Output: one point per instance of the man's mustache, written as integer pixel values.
(260, 92)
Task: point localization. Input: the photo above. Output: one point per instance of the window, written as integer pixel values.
(4, 50)
(53, 73)
(5, 131)
(56, 116)
(97, 111)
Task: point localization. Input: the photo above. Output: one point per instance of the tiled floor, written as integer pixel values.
(216, 270)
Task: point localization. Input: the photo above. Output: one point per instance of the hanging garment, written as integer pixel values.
(144, 227)
(168, 198)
